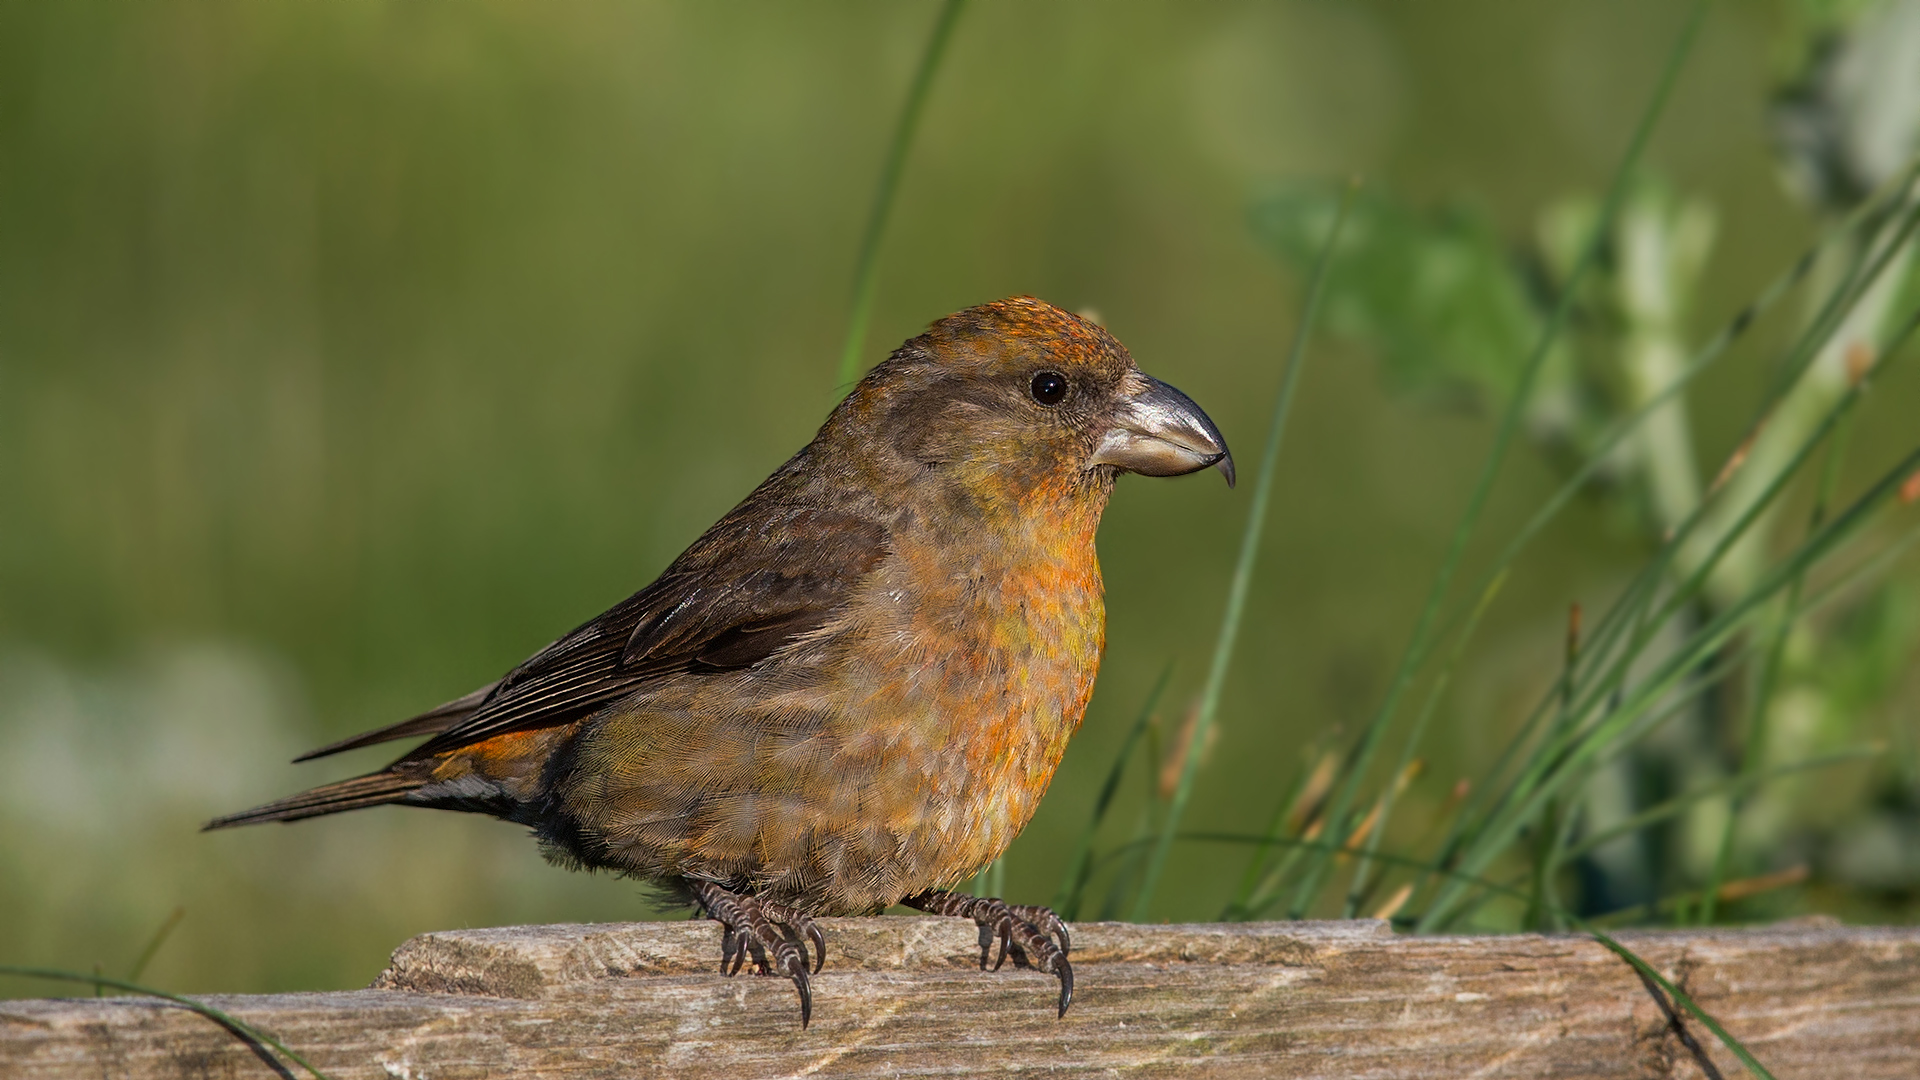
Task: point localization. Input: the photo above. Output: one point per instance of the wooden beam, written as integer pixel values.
(906, 996)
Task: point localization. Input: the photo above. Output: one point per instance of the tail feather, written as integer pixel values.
(432, 722)
(373, 789)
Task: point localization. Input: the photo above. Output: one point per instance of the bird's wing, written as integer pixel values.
(432, 722)
(751, 585)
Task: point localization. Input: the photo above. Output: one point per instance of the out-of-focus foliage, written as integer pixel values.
(348, 353)
(1436, 294)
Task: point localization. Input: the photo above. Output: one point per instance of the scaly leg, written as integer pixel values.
(1024, 929)
(747, 927)
(801, 923)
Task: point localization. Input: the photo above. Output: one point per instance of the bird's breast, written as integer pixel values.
(980, 660)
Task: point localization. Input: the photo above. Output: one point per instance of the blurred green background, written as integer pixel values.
(351, 352)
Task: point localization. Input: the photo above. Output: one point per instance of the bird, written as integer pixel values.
(853, 689)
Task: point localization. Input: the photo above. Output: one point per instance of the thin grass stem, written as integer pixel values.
(1642, 594)
(1292, 811)
(1621, 725)
(1557, 822)
(245, 1031)
(1732, 785)
(1753, 752)
(1421, 642)
(1243, 568)
(153, 944)
(1647, 971)
(1073, 885)
(1357, 889)
(866, 268)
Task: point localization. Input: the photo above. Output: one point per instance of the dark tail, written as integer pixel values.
(373, 789)
(432, 722)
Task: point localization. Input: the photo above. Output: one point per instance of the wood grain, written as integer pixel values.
(904, 996)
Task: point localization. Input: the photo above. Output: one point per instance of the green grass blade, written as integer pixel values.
(1869, 569)
(1557, 824)
(239, 1027)
(1357, 890)
(1642, 593)
(1644, 589)
(1292, 806)
(1735, 328)
(1073, 885)
(1422, 640)
(1754, 750)
(1696, 581)
(1732, 785)
(1622, 724)
(1647, 971)
(1608, 631)
(866, 268)
(1243, 568)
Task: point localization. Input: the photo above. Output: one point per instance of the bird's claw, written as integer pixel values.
(802, 923)
(749, 927)
(732, 952)
(1027, 932)
(1044, 919)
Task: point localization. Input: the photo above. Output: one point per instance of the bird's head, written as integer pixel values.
(1020, 395)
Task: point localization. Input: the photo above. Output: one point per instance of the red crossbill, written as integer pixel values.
(853, 690)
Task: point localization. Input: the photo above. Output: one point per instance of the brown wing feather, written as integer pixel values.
(744, 590)
(431, 722)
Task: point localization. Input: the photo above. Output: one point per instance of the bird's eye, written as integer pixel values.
(1049, 388)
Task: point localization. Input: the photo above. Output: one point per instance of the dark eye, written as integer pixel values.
(1049, 388)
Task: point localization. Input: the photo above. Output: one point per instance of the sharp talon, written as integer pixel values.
(749, 928)
(819, 939)
(804, 932)
(1026, 932)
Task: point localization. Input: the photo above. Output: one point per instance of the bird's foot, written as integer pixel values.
(750, 926)
(800, 923)
(1027, 931)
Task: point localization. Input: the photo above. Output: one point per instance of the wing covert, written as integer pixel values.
(735, 598)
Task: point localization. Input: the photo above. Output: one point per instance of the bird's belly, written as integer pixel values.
(962, 778)
(896, 758)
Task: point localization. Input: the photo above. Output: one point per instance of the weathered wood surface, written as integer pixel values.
(904, 996)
